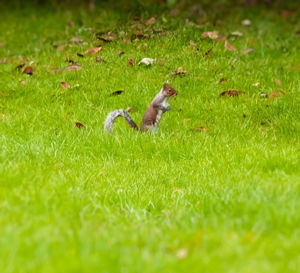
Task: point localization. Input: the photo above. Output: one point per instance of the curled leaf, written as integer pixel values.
(222, 80)
(211, 34)
(151, 21)
(93, 50)
(28, 70)
(76, 40)
(74, 67)
(131, 61)
(116, 93)
(129, 109)
(147, 61)
(65, 85)
(231, 93)
(79, 125)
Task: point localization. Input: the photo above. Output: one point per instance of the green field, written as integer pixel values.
(217, 189)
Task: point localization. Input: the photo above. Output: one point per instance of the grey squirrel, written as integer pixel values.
(152, 116)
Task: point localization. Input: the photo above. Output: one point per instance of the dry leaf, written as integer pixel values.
(79, 125)
(127, 41)
(179, 71)
(237, 33)
(263, 95)
(99, 60)
(201, 129)
(182, 253)
(192, 43)
(57, 70)
(256, 84)
(120, 53)
(129, 109)
(276, 94)
(278, 82)
(93, 50)
(3, 61)
(23, 82)
(231, 93)
(76, 40)
(247, 51)
(211, 34)
(246, 22)
(28, 70)
(74, 67)
(131, 61)
(2, 44)
(222, 80)
(147, 61)
(151, 21)
(116, 93)
(65, 85)
(229, 46)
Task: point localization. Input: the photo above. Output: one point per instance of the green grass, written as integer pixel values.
(79, 200)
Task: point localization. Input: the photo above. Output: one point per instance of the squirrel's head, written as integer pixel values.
(169, 91)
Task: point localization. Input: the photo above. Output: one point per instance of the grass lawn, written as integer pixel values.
(217, 189)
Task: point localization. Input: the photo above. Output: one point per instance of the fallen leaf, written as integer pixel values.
(116, 93)
(131, 61)
(28, 70)
(76, 40)
(129, 109)
(256, 84)
(74, 67)
(99, 60)
(263, 95)
(120, 53)
(211, 34)
(60, 48)
(201, 129)
(65, 85)
(93, 50)
(79, 125)
(192, 43)
(2, 44)
(229, 46)
(3, 61)
(151, 21)
(222, 80)
(4, 95)
(179, 71)
(246, 22)
(127, 41)
(57, 70)
(247, 51)
(278, 82)
(231, 93)
(146, 61)
(182, 253)
(276, 94)
(237, 33)
(23, 82)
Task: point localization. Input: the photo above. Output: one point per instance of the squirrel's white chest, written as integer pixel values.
(164, 107)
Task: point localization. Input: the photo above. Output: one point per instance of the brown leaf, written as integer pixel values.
(28, 70)
(120, 53)
(116, 93)
(99, 60)
(3, 61)
(93, 50)
(229, 46)
(129, 109)
(65, 85)
(79, 125)
(127, 41)
(247, 51)
(278, 82)
(74, 67)
(131, 61)
(2, 44)
(76, 40)
(151, 21)
(192, 43)
(231, 93)
(276, 94)
(222, 80)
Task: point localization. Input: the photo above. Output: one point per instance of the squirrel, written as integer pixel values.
(152, 116)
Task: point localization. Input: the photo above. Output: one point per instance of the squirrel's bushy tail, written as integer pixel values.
(109, 122)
